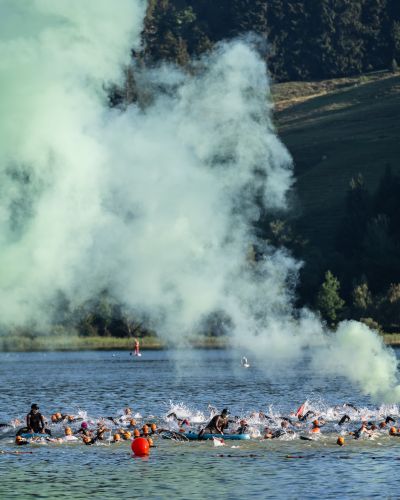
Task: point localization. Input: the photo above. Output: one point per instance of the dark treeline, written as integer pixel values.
(307, 39)
(360, 278)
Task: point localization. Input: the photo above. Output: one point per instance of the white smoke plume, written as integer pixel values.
(155, 204)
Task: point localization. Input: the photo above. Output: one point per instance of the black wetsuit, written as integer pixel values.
(35, 421)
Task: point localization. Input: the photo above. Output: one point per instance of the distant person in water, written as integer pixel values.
(217, 424)
(137, 348)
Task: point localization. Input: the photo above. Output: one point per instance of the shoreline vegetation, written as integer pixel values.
(65, 343)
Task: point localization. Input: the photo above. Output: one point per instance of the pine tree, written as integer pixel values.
(329, 302)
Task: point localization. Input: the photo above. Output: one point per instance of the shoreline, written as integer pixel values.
(66, 343)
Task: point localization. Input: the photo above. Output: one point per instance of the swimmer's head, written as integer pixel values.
(315, 423)
(382, 425)
(284, 423)
(116, 438)
(340, 441)
(84, 425)
(71, 418)
(132, 422)
(126, 435)
(68, 431)
(153, 427)
(58, 415)
(18, 439)
(54, 418)
(150, 441)
(225, 412)
(34, 408)
(145, 429)
(392, 431)
(127, 411)
(136, 433)
(87, 439)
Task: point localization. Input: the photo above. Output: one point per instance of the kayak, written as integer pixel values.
(195, 436)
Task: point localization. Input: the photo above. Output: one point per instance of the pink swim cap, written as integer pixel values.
(84, 425)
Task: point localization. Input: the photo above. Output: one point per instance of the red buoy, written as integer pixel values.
(140, 447)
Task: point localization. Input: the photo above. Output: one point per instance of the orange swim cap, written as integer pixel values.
(58, 415)
(71, 418)
(382, 425)
(392, 431)
(68, 431)
(153, 427)
(150, 441)
(340, 441)
(136, 433)
(145, 429)
(117, 438)
(315, 429)
(54, 417)
(87, 439)
(315, 422)
(132, 422)
(18, 439)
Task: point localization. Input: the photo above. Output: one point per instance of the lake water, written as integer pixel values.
(103, 383)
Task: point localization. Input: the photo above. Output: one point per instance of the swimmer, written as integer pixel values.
(316, 428)
(101, 430)
(362, 430)
(180, 421)
(243, 428)
(20, 441)
(344, 419)
(304, 417)
(217, 424)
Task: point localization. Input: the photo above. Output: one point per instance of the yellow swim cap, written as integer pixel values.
(340, 441)
(127, 435)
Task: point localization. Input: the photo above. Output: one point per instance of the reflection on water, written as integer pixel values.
(102, 383)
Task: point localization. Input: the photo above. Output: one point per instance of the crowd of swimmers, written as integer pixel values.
(304, 423)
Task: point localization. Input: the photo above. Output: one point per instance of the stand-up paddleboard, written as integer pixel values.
(234, 437)
(28, 435)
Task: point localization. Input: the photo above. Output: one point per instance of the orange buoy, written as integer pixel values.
(140, 447)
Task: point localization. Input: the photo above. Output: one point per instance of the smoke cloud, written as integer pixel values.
(156, 204)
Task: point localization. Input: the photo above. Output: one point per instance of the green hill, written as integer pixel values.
(335, 130)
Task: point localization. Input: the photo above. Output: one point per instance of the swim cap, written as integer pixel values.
(153, 427)
(117, 437)
(127, 435)
(315, 422)
(132, 422)
(87, 439)
(58, 415)
(34, 407)
(136, 433)
(84, 425)
(382, 425)
(68, 431)
(340, 441)
(71, 418)
(393, 430)
(18, 439)
(54, 418)
(315, 429)
(145, 429)
(150, 441)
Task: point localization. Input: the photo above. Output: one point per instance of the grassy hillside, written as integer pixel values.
(336, 129)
